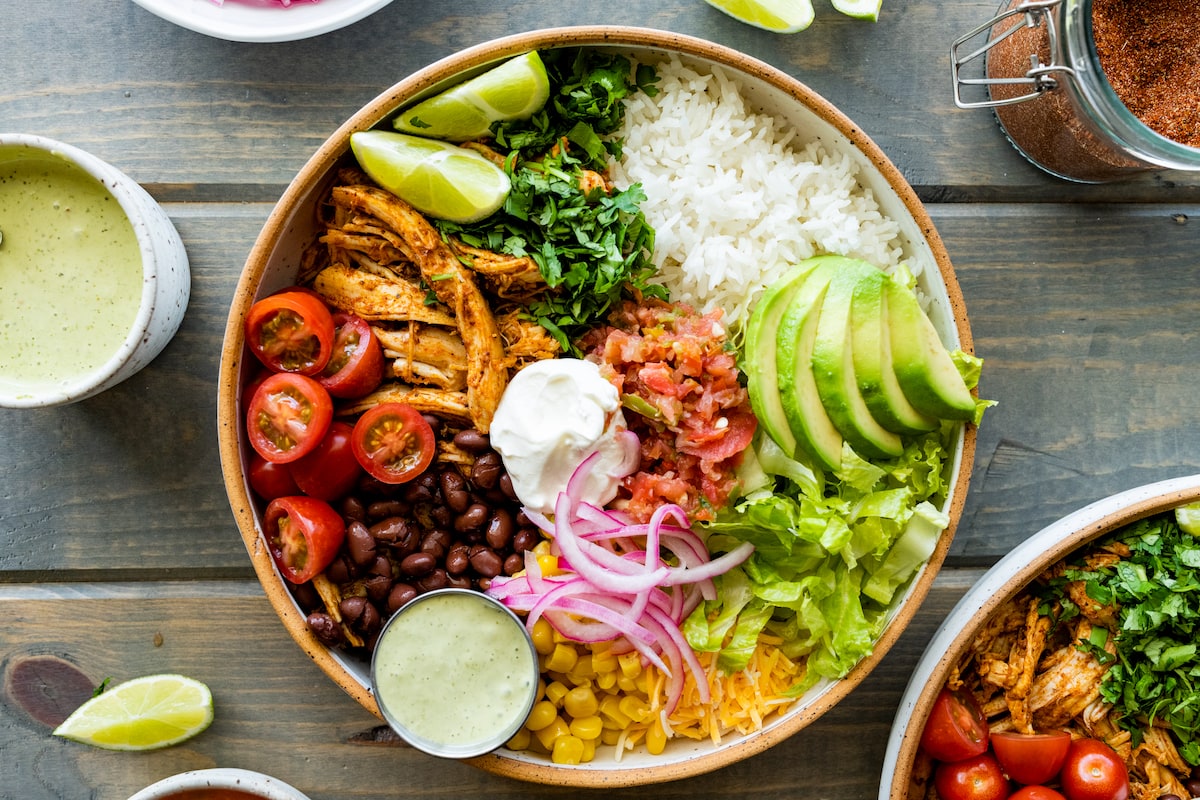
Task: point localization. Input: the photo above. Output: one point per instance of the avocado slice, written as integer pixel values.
(814, 431)
(923, 367)
(871, 346)
(833, 365)
(761, 347)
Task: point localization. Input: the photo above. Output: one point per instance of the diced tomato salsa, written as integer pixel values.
(680, 389)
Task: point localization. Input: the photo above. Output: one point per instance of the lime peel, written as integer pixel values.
(144, 713)
(859, 9)
(778, 16)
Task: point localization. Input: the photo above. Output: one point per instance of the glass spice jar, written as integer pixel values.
(1046, 81)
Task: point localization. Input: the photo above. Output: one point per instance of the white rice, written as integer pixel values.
(734, 198)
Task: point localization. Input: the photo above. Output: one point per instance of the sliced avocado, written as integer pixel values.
(833, 365)
(871, 345)
(762, 372)
(815, 433)
(921, 362)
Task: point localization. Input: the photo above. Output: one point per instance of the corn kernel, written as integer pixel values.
(542, 548)
(543, 637)
(562, 659)
(567, 750)
(633, 707)
(607, 680)
(631, 664)
(548, 564)
(610, 736)
(656, 738)
(551, 733)
(555, 692)
(587, 728)
(603, 661)
(644, 682)
(627, 684)
(582, 670)
(589, 750)
(520, 740)
(543, 714)
(610, 708)
(581, 702)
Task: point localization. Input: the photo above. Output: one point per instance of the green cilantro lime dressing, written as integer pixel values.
(455, 672)
(70, 272)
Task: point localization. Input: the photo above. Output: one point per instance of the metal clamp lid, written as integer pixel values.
(1040, 76)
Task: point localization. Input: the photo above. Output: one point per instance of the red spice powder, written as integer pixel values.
(1150, 52)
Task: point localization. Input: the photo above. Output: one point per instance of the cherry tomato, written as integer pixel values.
(956, 728)
(291, 332)
(356, 366)
(270, 480)
(303, 535)
(1031, 758)
(975, 778)
(1035, 793)
(330, 471)
(1094, 771)
(287, 417)
(393, 442)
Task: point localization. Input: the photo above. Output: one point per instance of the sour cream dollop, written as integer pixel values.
(553, 415)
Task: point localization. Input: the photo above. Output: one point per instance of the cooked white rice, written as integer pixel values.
(734, 197)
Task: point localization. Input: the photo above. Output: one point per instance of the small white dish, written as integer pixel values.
(262, 20)
(165, 284)
(251, 784)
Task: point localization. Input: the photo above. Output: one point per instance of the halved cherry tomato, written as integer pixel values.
(303, 535)
(291, 332)
(330, 471)
(356, 366)
(1035, 793)
(956, 728)
(393, 442)
(1031, 758)
(287, 417)
(976, 778)
(1094, 771)
(270, 480)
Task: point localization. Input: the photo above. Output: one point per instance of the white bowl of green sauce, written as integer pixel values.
(455, 673)
(94, 278)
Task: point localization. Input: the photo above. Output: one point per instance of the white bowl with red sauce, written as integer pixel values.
(221, 783)
(262, 20)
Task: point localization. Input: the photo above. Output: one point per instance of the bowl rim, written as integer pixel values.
(256, 24)
(405, 91)
(128, 195)
(256, 783)
(1008, 576)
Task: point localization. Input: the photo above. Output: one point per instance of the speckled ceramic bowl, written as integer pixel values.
(250, 784)
(1008, 577)
(273, 262)
(166, 278)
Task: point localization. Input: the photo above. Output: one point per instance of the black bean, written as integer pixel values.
(506, 486)
(378, 587)
(454, 491)
(434, 421)
(499, 531)
(360, 543)
(353, 509)
(437, 543)
(458, 560)
(472, 441)
(514, 564)
(525, 539)
(381, 509)
(325, 628)
(438, 579)
(417, 564)
(391, 530)
(471, 519)
(522, 520)
(1193, 786)
(486, 562)
(442, 516)
(459, 582)
(415, 492)
(359, 614)
(341, 569)
(305, 594)
(400, 594)
(486, 470)
(1169, 797)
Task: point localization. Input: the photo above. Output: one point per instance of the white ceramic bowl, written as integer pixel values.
(291, 228)
(262, 20)
(254, 784)
(999, 584)
(166, 278)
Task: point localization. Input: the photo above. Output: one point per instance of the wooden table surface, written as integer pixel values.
(118, 550)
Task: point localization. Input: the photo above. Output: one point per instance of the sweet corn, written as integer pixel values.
(631, 664)
(607, 680)
(567, 750)
(581, 702)
(589, 750)
(543, 714)
(610, 736)
(556, 692)
(520, 740)
(548, 564)
(633, 707)
(656, 738)
(626, 684)
(543, 637)
(587, 728)
(603, 661)
(583, 670)
(561, 659)
(550, 734)
(610, 709)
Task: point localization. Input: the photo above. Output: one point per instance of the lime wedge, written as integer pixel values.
(780, 16)
(1188, 518)
(859, 9)
(142, 714)
(516, 89)
(436, 178)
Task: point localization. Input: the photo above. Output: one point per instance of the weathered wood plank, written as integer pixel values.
(277, 713)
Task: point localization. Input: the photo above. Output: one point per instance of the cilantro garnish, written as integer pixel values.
(1156, 674)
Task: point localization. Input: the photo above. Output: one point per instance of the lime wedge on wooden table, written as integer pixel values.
(780, 16)
(859, 9)
(142, 714)
(517, 89)
(434, 177)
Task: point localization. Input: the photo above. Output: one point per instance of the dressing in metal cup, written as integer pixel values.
(455, 673)
(1044, 79)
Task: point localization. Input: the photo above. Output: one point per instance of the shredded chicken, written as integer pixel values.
(376, 298)
(449, 405)
(425, 354)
